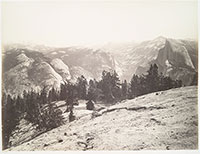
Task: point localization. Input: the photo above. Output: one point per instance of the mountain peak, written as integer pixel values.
(160, 38)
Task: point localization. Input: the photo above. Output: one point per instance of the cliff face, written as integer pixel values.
(178, 60)
(175, 58)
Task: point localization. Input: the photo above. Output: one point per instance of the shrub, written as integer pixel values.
(90, 105)
(71, 116)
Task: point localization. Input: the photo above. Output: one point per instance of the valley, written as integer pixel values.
(27, 68)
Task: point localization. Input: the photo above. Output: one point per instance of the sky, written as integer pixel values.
(62, 23)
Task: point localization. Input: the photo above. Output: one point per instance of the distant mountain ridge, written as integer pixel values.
(31, 68)
(25, 69)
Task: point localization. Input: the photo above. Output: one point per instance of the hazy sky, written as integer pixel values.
(61, 23)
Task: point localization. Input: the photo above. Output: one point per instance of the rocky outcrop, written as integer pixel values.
(61, 68)
(44, 75)
(29, 73)
(16, 79)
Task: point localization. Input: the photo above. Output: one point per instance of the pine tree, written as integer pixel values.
(195, 79)
(115, 85)
(71, 116)
(92, 91)
(19, 105)
(134, 87)
(152, 79)
(110, 86)
(53, 95)
(43, 95)
(124, 90)
(50, 117)
(63, 91)
(32, 110)
(167, 83)
(72, 94)
(82, 87)
(179, 83)
(106, 86)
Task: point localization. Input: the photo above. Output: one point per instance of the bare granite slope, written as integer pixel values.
(166, 120)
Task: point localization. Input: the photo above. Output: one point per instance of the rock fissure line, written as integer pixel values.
(134, 108)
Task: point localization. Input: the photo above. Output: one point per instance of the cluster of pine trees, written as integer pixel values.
(37, 107)
(110, 89)
(151, 82)
(10, 118)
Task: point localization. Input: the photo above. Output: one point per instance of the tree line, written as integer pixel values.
(37, 107)
(110, 89)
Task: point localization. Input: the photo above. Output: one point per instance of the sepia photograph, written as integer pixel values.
(101, 75)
